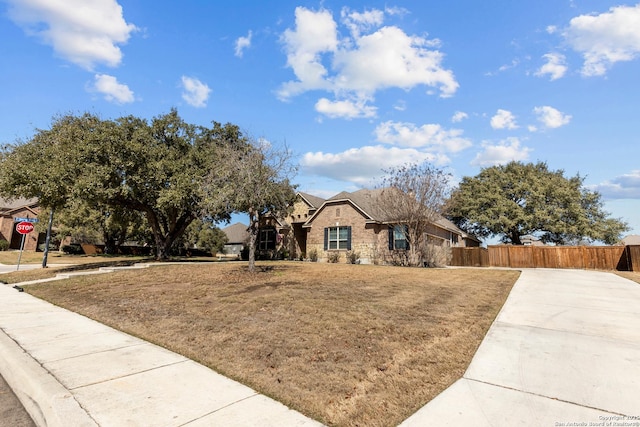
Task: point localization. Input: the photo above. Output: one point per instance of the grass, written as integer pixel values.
(55, 257)
(349, 345)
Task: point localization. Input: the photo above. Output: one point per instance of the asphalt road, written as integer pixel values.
(12, 413)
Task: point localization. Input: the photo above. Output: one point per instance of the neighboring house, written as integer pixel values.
(237, 236)
(531, 240)
(19, 208)
(353, 222)
(631, 240)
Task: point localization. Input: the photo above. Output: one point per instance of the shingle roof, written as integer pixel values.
(364, 199)
(236, 233)
(631, 240)
(314, 201)
(7, 205)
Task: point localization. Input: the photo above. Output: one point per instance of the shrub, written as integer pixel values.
(313, 255)
(72, 249)
(4, 245)
(436, 255)
(353, 257)
(333, 257)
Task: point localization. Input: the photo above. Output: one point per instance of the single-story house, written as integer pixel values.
(237, 236)
(631, 240)
(354, 222)
(19, 208)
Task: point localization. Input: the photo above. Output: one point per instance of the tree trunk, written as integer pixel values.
(253, 239)
(164, 241)
(515, 237)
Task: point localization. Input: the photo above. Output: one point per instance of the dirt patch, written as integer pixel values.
(349, 345)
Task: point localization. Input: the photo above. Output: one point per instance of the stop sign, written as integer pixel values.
(24, 227)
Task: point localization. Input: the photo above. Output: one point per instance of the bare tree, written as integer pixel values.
(413, 197)
(261, 174)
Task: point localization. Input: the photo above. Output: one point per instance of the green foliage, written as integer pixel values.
(313, 255)
(204, 236)
(4, 245)
(101, 223)
(518, 199)
(72, 249)
(165, 170)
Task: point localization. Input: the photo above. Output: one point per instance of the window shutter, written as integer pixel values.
(406, 237)
(349, 238)
(326, 238)
(391, 238)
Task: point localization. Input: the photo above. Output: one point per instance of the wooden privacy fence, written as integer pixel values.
(623, 258)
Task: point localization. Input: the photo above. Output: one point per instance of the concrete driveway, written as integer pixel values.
(564, 349)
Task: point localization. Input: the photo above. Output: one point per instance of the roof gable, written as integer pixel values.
(311, 200)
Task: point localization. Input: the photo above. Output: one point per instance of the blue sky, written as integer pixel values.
(352, 87)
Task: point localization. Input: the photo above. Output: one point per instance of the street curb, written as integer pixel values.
(47, 401)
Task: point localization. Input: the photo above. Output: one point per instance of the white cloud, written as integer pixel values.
(502, 153)
(195, 92)
(372, 58)
(391, 58)
(314, 35)
(345, 109)
(625, 186)
(400, 105)
(430, 136)
(363, 165)
(112, 90)
(358, 22)
(84, 33)
(409, 144)
(459, 116)
(503, 119)
(550, 117)
(606, 38)
(555, 67)
(243, 43)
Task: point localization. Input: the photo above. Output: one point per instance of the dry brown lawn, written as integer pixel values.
(631, 275)
(349, 345)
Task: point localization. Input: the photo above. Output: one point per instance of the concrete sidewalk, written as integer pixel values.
(564, 349)
(69, 370)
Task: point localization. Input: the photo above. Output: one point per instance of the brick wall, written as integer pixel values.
(365, 238)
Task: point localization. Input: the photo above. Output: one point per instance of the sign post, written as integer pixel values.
(23, 228)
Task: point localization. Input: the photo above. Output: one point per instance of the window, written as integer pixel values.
(267, 239)
(398, 237)
(337, 238)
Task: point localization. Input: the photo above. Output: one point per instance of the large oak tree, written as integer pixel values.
(518, 199)
(157, 168)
